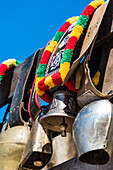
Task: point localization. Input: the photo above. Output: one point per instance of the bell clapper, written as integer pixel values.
(63, 128)
(38, 163)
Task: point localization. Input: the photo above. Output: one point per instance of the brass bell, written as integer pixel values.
(62, 112)
(38, 150)
(12, 144)
(93, 132)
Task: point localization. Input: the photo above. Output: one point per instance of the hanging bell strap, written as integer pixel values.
(79, 70)
(19, 94)
(108, 77)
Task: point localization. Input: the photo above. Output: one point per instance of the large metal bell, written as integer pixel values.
(38, 150)
(63, 150)
(62, 112)
(12, 144)
(93, 132)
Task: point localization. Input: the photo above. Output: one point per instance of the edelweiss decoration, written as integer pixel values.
(6, 65)
(42, 83)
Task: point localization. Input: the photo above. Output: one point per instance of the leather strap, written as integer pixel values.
(79, 70)
(17, 101)
(90, 35)
(108, 77)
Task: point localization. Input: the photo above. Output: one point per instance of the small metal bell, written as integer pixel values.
(38, 150)
(93, 132)
(12, 144)
(62, 112)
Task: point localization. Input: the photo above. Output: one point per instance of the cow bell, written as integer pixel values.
(12, 144)
(93, 132)
(62, 112)
(38, 150)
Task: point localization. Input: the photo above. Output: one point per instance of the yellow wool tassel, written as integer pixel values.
(49, 82)
(51, 46)
(77, 31)
(39, 92)
(72, 20)
(96, 3)
(64, 68)
(10, 62)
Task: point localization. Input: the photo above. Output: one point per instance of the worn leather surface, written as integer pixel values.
(91, 33)
(5, 87)
(15, 78)
(14, 116)
(108, 80)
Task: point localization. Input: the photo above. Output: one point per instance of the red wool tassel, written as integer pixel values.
(71, 85)
(3, 68)
(46, 98)
(88, 11)
(64, 27)
(56, 78)
(45, 57)
(71, 43)
(42, 86)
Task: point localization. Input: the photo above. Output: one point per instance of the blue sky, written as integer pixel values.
(26, 25)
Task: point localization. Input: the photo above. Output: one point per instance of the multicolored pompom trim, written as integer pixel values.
(43, 84)
(6, 65)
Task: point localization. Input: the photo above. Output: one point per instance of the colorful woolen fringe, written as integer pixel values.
(43, 84)
(6, 65)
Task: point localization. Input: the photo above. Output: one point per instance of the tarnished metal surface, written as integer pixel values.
(62, 112)
(75, 164)
(93, 131)
(12, 144)
(63, 150)
(38, 150)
